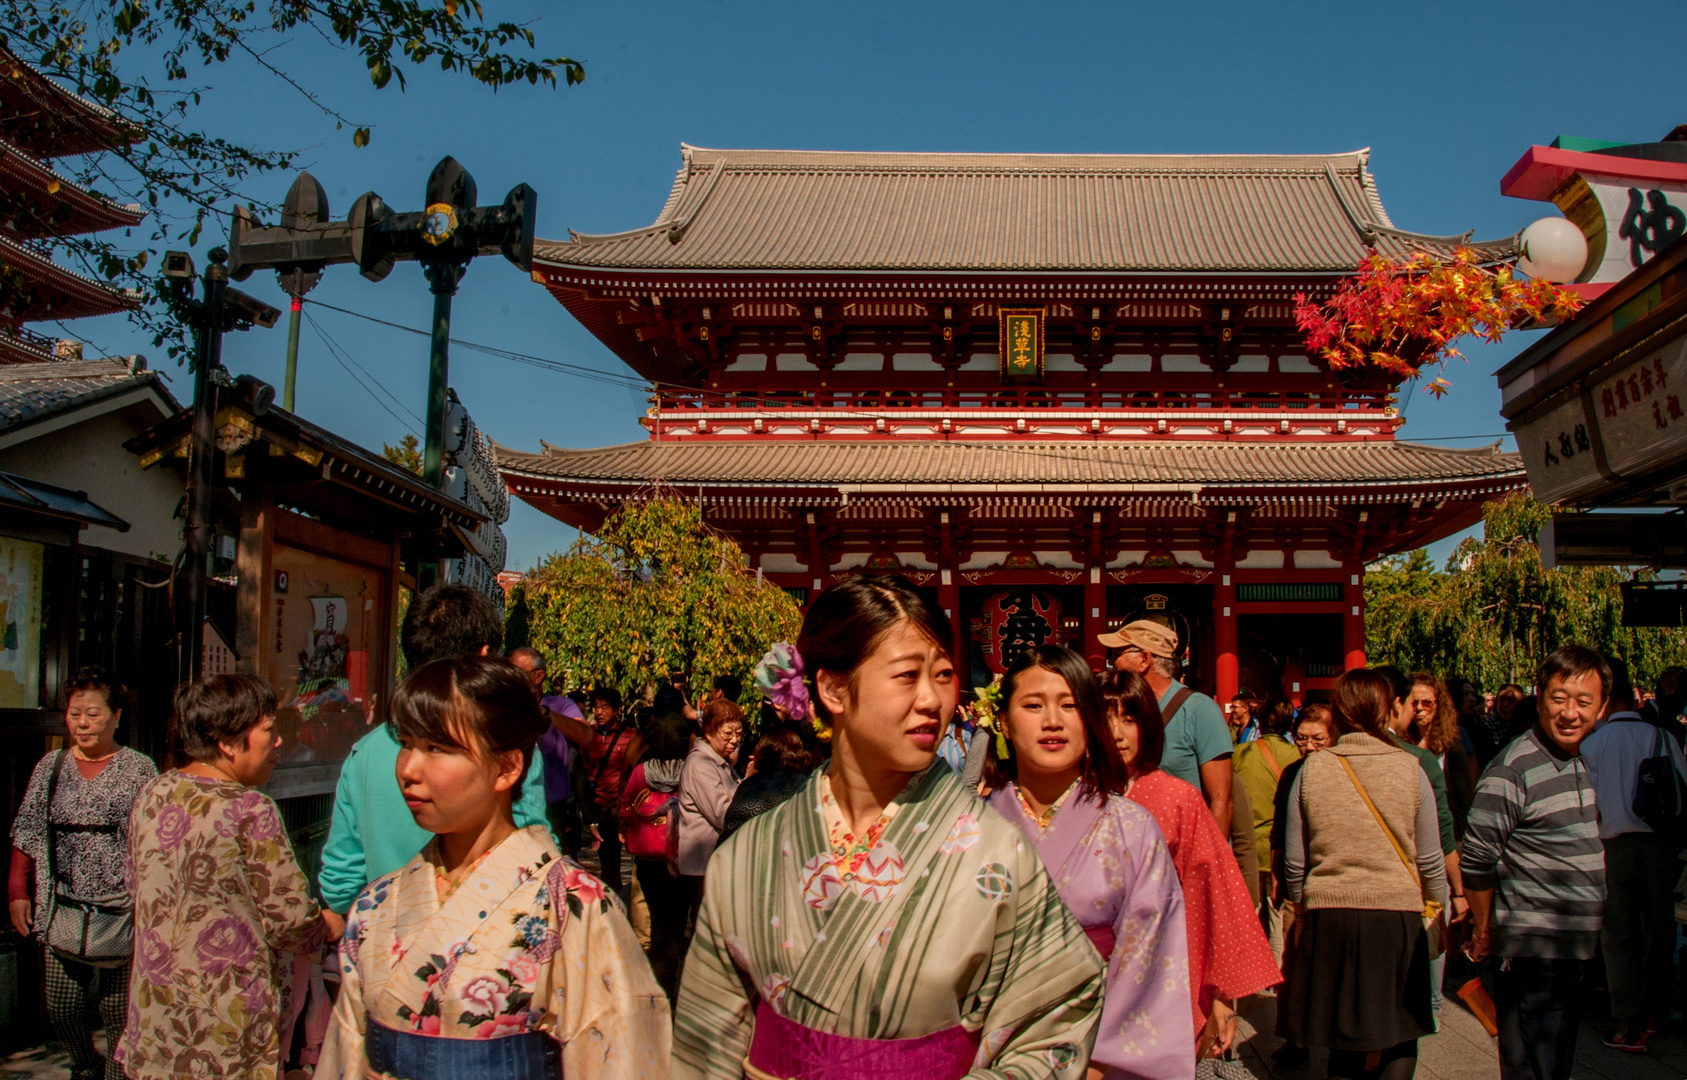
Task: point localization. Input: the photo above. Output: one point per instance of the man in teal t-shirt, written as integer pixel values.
(1198, 745)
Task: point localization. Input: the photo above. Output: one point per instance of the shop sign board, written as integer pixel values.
(1631, 423)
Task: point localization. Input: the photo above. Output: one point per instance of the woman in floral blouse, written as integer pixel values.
(218, 893)
(94, 784)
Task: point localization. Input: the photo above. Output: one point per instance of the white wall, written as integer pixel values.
(90, 457)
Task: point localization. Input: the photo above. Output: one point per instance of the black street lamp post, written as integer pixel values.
(222, 309)
(444, 237)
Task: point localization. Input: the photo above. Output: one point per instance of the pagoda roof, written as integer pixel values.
(919, 468)
(785, 210)
(50, 121)
(52, 292)
(62, 207)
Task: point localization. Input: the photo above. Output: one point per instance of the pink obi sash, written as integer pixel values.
(1102, 938)
(784, 1049)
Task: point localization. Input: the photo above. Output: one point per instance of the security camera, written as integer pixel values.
(178, 265)
(249, 309)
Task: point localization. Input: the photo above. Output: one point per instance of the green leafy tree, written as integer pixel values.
(406, 455)
(1493, 613)
(149, 63)
(655, 592)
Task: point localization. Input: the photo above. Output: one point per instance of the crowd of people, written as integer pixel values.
(1077, 875)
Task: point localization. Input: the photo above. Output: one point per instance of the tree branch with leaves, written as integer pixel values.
(137, 60)
(655, 593)
(1400, 317)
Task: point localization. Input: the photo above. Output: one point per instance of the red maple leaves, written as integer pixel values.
(1402, 316)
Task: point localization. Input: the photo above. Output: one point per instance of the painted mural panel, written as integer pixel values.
(20, 623)
(328, 649)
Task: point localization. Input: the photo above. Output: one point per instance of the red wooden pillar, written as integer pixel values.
(1227, 670)
(1095, 619)
(949, 596)
(949, 599)
(1353, 616)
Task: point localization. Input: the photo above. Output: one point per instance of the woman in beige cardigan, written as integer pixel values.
(1359, 878)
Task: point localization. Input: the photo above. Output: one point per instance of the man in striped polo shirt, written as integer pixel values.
(1534, 868)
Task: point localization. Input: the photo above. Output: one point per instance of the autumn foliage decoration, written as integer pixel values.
(1400, 316)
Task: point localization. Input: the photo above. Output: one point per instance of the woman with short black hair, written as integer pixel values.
(218, 895)
(72, 836)
(779, 767)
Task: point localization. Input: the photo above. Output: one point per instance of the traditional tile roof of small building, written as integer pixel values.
(945, 466)
(795, 210)
(34, 392)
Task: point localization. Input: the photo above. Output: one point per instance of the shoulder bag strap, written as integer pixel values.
(603, 765)
(52, 877)
(1372, 807)
(1270, 759)
(1175, 704)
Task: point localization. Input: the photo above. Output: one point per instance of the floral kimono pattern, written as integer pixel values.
(948, 920)
(218, 894)
(1112, 868)
(493, 958)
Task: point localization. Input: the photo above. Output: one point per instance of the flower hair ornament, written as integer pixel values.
(779, 677)
(986, 712)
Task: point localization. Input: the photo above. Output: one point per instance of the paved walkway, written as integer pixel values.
(1460, 1051)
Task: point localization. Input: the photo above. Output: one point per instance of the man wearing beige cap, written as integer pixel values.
(1198, 746)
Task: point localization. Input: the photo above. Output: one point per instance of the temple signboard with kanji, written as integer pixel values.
(865, 363)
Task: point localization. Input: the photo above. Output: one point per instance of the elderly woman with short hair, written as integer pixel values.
(71, 837)
(218, 893)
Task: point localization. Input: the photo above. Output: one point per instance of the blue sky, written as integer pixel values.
(1447, 96)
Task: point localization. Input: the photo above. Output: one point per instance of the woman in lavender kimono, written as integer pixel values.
(882, 923)
(1061, 783)
(489, 955)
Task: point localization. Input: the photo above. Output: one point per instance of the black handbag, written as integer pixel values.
(102, 935)
(1660, 793)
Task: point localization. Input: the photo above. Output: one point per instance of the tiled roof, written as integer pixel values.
(1117, 466)
(31, 392)
(22, 493)
(797, 210)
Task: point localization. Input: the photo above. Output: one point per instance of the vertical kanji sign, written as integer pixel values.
(1021, 344)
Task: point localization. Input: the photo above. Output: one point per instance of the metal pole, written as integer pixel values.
(198, 531)
(439, 362)
(292, 354)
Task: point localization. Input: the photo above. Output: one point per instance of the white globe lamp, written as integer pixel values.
(1552, 249)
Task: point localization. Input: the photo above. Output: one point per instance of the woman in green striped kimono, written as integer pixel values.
(883, 922)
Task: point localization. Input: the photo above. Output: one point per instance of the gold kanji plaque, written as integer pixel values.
(1021, 344)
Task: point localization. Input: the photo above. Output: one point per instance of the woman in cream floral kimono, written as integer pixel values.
(489, 954)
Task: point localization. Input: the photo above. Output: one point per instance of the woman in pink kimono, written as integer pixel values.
(1061, 783)
(1229, 957)
(489, 955)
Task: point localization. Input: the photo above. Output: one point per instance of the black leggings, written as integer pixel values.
(71, 987)
(609, 851)
(1398, 1062)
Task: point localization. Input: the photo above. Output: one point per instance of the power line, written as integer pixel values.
(334, 351)
(544, 362)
